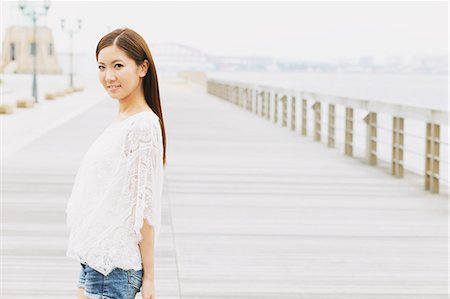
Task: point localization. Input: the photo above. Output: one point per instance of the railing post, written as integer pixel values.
(371, 138)
(317, 117)
(432, 153)
(275, 108)
(238, 95)
(231, 94)
(268, 104)
(254, 96)
(293, 116)
(263, 104)
(304, 117)
(397, 146)
(331, 126)
(250, 99)
(284, 111)
(245, 98)
(258, 95)
(349, 131)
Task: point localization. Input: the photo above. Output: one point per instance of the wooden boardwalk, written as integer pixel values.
(251, 210)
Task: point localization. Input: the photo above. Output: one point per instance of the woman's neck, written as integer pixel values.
(132, 104)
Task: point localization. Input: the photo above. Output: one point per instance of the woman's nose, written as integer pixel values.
(110, 76)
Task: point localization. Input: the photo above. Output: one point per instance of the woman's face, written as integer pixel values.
(119, 74)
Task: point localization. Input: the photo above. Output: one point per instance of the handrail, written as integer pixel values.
(270, 101)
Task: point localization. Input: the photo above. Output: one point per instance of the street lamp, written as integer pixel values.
(33, 14)
(71, 33)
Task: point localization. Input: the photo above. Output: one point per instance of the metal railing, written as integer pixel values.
(266, 101)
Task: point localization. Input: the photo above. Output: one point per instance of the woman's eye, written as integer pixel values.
(102, 67)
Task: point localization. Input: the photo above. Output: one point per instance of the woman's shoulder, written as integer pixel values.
(145, 127)
(145, 120)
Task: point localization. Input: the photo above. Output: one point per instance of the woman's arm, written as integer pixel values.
(146, 247)
(142, 154)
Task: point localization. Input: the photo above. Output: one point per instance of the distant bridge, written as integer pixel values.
(177, 57)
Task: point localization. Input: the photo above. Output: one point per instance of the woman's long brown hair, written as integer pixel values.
(137, 49)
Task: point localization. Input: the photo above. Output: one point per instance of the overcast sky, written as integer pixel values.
(300, 30)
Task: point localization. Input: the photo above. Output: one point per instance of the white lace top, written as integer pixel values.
(117, 186)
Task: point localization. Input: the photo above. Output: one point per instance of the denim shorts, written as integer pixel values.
(118, 284)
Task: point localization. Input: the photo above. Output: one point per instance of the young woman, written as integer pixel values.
(114, 211)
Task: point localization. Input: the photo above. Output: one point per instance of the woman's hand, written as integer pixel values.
(148, 289)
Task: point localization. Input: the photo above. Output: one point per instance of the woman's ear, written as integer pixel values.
(144, 68)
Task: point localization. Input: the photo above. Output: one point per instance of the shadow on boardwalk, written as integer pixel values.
(250, 211)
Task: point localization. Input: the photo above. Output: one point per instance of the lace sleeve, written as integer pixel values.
(141, 153)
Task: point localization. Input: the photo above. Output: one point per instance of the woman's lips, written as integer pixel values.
(113, 88)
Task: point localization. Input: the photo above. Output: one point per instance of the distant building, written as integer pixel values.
(18, 48)
(430, 63)
(366, 61)
(394, 61)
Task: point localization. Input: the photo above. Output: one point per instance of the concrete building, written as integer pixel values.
(18, 48)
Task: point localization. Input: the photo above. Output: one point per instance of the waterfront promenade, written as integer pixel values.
(251, 210)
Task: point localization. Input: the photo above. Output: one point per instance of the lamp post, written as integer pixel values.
(33, 14)
(71, 32)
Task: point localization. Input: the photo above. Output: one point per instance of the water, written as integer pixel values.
(419, 90)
